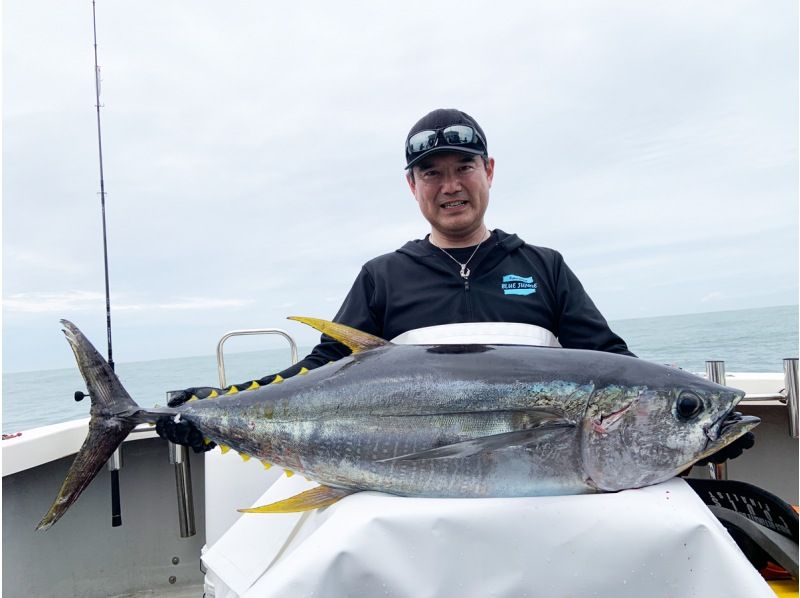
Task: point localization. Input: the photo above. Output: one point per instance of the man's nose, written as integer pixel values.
(451, 183)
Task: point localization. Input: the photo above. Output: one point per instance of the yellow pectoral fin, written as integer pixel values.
(356, 340)
(316, 498)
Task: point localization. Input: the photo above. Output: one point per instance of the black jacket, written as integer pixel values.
(510, 281)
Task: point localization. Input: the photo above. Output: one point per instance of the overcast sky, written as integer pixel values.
(254, 155)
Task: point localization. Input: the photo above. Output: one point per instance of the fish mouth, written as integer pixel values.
(728, 427)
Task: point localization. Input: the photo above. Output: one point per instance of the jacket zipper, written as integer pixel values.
(466, 298)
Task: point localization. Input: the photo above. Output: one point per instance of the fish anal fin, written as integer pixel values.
(316, 498)
(494, 442)
(355, 340)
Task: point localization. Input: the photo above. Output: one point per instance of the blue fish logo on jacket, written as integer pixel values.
(518, 285)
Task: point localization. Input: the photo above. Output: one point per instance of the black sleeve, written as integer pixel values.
(581, 325)
(355, 312)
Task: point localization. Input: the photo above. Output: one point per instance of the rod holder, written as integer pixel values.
(114, 464)
(790, 380)
(179, 458)
(716, 373)
(115, 460)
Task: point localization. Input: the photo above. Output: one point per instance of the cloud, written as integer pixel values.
(712, 296)
(72, 301)
(58, 302)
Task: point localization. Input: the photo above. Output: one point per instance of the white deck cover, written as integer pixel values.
(656, 541)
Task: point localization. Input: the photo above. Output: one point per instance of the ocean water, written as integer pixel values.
(752, 340)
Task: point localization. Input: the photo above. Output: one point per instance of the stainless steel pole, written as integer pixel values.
(183, 482)
(790, 381)
(716, 373)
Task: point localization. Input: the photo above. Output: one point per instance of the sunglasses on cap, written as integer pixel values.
(455, 135)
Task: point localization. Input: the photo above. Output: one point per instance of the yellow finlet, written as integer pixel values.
(207, 441)
(278, 379)
(233, 390)
(224, 448)
(289, 473)
(266, 464)
(213, 394)
(244, 457)
(303, 370)
(356, 340)
(253, 386)
(316, 498)
(194, 398)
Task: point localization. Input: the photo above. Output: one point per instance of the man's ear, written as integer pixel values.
(411, 182)
(490, 170)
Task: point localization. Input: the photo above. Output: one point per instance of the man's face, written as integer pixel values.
(452, 190)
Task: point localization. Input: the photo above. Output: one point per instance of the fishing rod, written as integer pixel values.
(102, 186)
(115, 463)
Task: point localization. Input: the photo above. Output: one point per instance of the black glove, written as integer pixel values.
(184, 432)
(733, 450)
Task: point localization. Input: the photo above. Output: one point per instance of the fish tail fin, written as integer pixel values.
(113, 415)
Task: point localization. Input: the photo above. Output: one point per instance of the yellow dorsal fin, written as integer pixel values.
(302, 371)
(224, 448)
(244, 457)
(266, 464)
(253, 386)
(289, 473)
(356, 340)
(316, 498)
(213, 394)
(233, 390)
(278, 379)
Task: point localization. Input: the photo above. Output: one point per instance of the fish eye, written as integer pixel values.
(688, 405)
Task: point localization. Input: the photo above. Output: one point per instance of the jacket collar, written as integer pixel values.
(422, 251)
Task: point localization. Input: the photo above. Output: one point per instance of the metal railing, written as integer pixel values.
(250, 332)
(715, 371)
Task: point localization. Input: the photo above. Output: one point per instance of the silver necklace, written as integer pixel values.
(465, 272)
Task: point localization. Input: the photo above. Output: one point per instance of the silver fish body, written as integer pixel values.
(564, 421)
(441, 421)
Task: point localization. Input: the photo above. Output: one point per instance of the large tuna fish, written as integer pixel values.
(440, 421)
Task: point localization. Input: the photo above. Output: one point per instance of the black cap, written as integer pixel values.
(439, 119)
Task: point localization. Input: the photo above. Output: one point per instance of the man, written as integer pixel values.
(461, 272)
